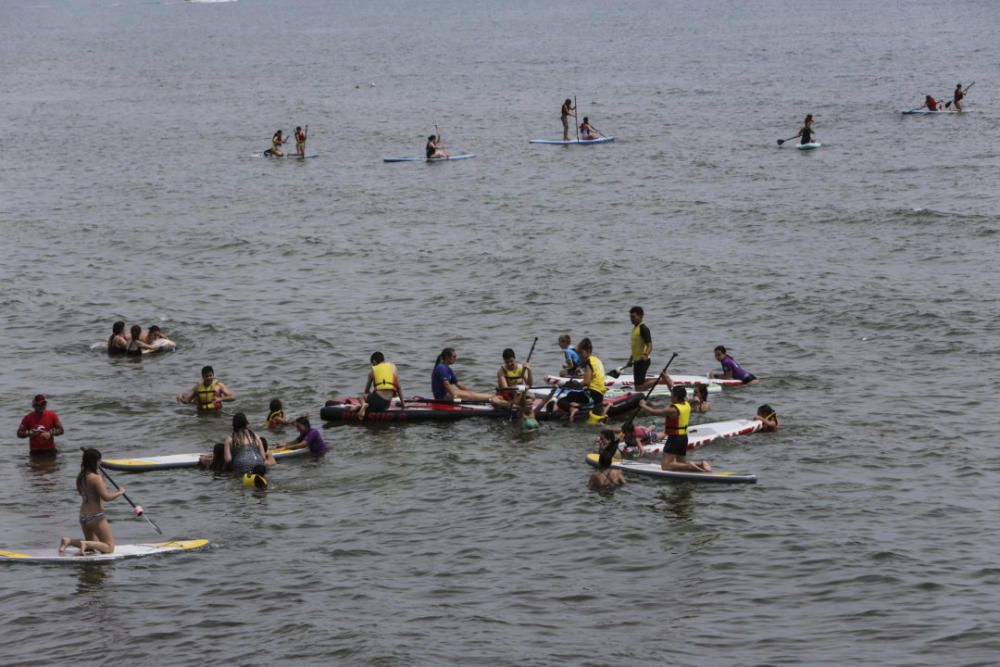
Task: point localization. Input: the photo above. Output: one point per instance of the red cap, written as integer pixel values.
(39, 400)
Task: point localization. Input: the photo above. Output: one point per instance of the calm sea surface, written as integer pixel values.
(859, 282)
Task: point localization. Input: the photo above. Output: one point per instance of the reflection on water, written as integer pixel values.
(91, 578)
(678, 501)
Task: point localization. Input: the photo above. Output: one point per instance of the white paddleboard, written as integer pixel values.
(624, 380)
(808, 147)
(121, 552)
(159, 345)
(654, 470)
(571, 142)
(185, 460)
(702, 434)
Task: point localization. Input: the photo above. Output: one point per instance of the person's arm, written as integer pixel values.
(23, 431)
(647, 338)
(501, 378)
(658, 412)
(369, 383)
(102, 490)
(529, 379)
(188, 397)
(224, 393)
(399, 387)
(227, 449)
(57, 429)
(265, 455)
(450, 389)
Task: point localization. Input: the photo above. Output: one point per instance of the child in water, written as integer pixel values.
(699, 401)
(605, 476)
(769, 417)
(634, 438)
(275, 419)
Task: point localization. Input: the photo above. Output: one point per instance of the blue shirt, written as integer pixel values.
(442, 373)
(573, 359)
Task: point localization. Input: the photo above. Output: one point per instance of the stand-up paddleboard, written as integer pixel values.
(571, 142)
(928, 112)
(429, 159)
(654, 470)
(624, 380)
(170, 461)
(702, 434)
(808, 147)
(121, 552)
(159, 345)
(288, 156)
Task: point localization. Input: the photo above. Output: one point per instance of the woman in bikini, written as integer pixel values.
(135, 344)
(97, 534)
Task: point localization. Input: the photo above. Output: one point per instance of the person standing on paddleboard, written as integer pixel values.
(730, 369)
(957, 97)
(807, 131)
(381, 386)
(445, 384)
(208, 395)
(677, 415)
(300, 141)
(567, 110)
(90, 485)
(40, 426)
(641, 346)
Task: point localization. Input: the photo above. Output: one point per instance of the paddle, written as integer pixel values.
(966, 91)
(618, 371)
(576, 117)
(655, 382)
(781, 141)
(138, 510)
(526, 362)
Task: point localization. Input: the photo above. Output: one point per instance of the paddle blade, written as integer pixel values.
(781, 141)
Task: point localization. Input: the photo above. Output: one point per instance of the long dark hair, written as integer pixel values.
(89, 464)
(446, 352)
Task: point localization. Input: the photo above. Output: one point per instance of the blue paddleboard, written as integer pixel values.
(428, 159)
(559, 142)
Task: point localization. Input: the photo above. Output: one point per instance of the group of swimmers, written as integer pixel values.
(132, 344)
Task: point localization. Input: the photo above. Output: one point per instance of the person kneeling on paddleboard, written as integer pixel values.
(807, 131)
(587, 131)
(435, 147)
(730, 369)
(277, 141)
(605, 476)
(97, 533)
(677, 415)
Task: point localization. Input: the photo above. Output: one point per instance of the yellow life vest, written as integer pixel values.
(597, 381)
(514, 377)
(678, 424)
(638, 344)
(206, 396)
(382, 377)
(272, 415)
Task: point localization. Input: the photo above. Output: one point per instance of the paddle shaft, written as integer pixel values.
(527, 360)
(952, 100)
(656, 381)
(125, 495)
(576, 118)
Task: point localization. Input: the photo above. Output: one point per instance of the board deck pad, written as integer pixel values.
(121, 552)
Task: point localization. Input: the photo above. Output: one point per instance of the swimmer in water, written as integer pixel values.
(605, 476)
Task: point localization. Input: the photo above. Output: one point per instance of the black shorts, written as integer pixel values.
(596, 397)
(750, 377)
(639, 370)
(676, 445)
(376, 402)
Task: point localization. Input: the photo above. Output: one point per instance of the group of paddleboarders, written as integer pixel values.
(278, 139)
(133, 343)
(587, 131)
(932, 104)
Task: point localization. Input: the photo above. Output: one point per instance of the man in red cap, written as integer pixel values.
(41, 426)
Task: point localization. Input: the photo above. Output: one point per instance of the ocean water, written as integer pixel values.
(858, 281)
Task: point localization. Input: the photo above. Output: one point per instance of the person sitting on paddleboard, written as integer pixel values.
(930, 103)
(957, 97)
(605, 476)
(277, 141)
(699, 401)
(730, 369)
(308, 437)
(435, 147)
(300, 141)
(381, 386)
(512, 375)
(677, 416)
(208, 395)
(117, 341)
(445, 384)
(635, 438)
(571, 364)
(243, 449)
(97, 535)
(564, 114)
(587, 131)
(768, 417)
(594, 386)
(807, 131)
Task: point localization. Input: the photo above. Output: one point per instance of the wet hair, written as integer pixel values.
(377, 358)
(568, 101)
(207, 369)
(136, 330)
(218, 458)
(564, 338)
(446, 352)
(628, 430)
(809, 117)
(607, 456)
(88, 464)
(701, 391)
(298, 128)
(680, 393)
(637, 310)
(304, 421)
(765, 411)
(508, 353)
(275, 405)
(432, 137)
(721, 348)
(585, 120)
(154, 329)
(608, 436)
(240, 422)
(118, 327)
(585, 346)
